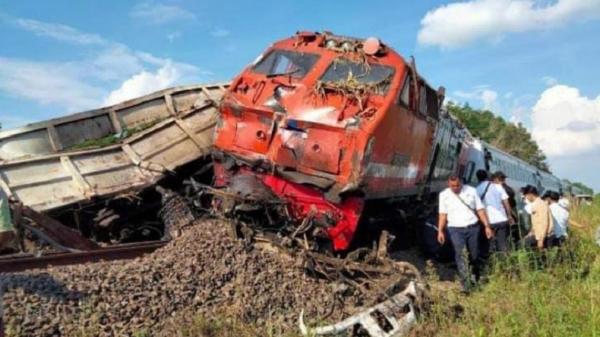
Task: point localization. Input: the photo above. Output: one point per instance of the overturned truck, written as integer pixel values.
(95, 171)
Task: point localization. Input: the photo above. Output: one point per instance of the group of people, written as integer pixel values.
(549, 218)
(480, 220)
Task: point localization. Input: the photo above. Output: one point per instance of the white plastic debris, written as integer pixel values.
(391, 318)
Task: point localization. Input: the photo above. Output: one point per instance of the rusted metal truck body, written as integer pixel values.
(53, 164)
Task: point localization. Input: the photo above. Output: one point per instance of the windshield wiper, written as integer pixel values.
(283, 74)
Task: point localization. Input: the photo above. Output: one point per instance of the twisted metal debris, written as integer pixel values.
(204, 272)
(392, 318)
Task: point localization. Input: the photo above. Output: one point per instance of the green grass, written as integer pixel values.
(530, 294)
(112, 138)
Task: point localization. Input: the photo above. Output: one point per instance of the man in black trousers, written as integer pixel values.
(461, 210)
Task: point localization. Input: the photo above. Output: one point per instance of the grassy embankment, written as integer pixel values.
(554, 295)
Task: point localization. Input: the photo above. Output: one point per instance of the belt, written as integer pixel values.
(465, 227)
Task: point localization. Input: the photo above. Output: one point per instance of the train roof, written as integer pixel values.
(519, 160)
(516, 159)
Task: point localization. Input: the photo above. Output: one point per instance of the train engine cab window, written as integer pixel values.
(432, 100)
(404, 98)
(428, 104)
(285, 62)
(428, 101)
(343, 72)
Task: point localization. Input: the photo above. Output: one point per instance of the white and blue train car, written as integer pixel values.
(483, 156)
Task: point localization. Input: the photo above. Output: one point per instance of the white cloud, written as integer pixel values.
(487, 97)
(115, 62)
(58, 31)
(549, 81)
(461, 23)
(143, 83)
(514, 108)
(173, 36)
(48, 83)
(155, 13)
(518, 113)
(220, 32)
(87, 83)
(566, 123)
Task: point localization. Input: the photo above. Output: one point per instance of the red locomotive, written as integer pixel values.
(330, 125)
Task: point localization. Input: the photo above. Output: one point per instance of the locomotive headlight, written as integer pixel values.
(347, 46)
(330, 44)
(371, 46)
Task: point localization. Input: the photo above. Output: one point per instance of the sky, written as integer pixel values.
(530, 61)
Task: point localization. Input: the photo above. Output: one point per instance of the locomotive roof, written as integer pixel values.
(358, 39)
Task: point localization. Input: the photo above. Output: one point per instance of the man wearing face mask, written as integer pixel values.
(541, 233)
(461, 210)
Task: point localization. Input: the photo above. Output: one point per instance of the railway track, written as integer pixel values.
(22, 262)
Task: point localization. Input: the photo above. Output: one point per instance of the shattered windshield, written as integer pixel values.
(285, 62)
(359, 74)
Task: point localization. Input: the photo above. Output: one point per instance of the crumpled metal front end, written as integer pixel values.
(242, 189)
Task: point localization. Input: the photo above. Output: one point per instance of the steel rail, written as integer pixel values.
(17, 263)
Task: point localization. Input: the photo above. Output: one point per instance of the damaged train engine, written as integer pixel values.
(323, 128)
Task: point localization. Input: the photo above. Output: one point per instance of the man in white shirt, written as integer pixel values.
(564, 202)
(461, 209)
(498, 210)
(560, 219)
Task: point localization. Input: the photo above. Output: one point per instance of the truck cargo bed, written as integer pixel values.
(108, 151)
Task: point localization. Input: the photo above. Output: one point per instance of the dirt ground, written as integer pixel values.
(204, 272)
